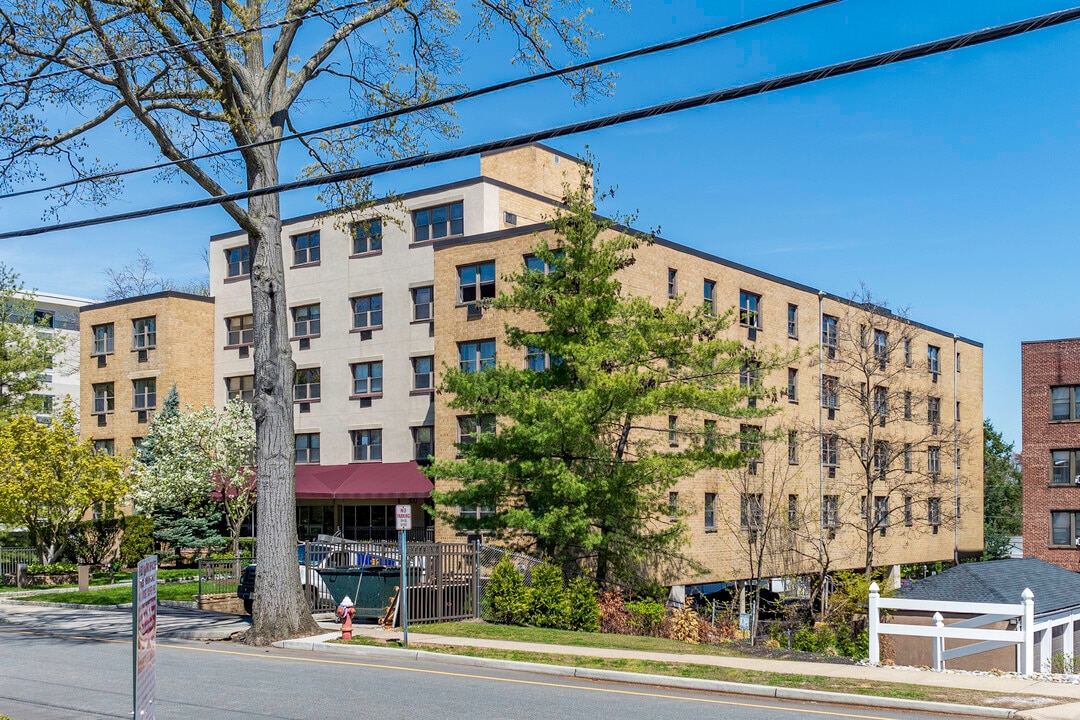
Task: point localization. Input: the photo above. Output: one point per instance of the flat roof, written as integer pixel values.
(152, 296)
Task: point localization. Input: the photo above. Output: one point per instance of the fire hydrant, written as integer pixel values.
(345, 612)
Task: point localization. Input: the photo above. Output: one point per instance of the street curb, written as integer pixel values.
(318, 644)
(77, 606)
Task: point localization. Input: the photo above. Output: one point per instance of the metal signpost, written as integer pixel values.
(144, 636)
(404, 523)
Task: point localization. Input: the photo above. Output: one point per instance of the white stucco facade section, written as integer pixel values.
(62, 379)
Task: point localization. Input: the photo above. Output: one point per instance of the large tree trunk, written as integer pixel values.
(281, 611)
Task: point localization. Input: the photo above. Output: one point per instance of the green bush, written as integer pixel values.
(59, 568)
(247, 546)
(582, 606)
(646, 616)
(93, 542)
(505, 600)
(545, 597)
(138, 539)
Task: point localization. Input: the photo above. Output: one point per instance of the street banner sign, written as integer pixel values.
(144, 636)
(404, 517)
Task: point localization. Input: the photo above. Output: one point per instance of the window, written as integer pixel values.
(673, 430)
(750, 446)
(907, 352)
(534, 264)
(830, 511)
(367, 312)
(423, 373)
(830, 392)
(907, 404)
(1064, 466)
(881, 458)
(306, 322)
(881, 512)
(307, 385)
(672, 282)
(793, 321)
(792, 385)
(956, 411)
(44, 404)
(240, 330)
(793, 447)
(510, 218)
(751, 511)
(957, 362)
(238, 262)
(793, 511)
(1065, 402)
(907, 511)
(307, 449)
(829, 335)
(933, 514)
(536, 359)
(367, 378)
(673, 506)
(105, 447)
(710, 435)
(306, 248)
(104, 398)
(476, 355)
(881, 404)
(103, 339)
(439, 222)
(749, 309)
(1065, 528)
(864, 511)
(907, 457)
(933, 410)
(144, 394)
(709, 296)
(476, 282)
(366, 445)
(830, 451)
(422, 300)
(470, 427)
(933, 360)
(241, 387)
(367, 237)
(933, 462)
(475, 513)
(881, 347)
(144, 333)
(710, 511)
(423, 443)
(749, 379)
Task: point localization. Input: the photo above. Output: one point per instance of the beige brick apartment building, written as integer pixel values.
(379, 309)
(132, 351)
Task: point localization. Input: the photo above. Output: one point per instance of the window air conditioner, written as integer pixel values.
(1076, 480)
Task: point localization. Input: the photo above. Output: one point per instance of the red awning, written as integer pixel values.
(363, 481)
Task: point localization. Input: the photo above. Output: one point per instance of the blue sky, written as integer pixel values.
(947, 185)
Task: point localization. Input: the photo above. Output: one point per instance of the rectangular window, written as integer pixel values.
(366, 445)
(238, 262)
(711, 436)
(422, 301)
(709, 296)
(240, 330)
(957, 362)
(750, 381)
(751, 511)
(307, 449)
(750, 446)
(241, 387)
(907, 352)
(793, 511)
(793, 447)
(956, 412)
(881, 512)
(907, 457)
(830, 451)
(306, 321)
(933, 359)
(829, 335)
(830, 392)
(672, 282)
(881, 405)
(439, 222)
(306, 248)
(144, 394)
(476, 282)
(749, 309)
(510, 218)
(536, 359)
(933, 462)
(144, 333)
(103, 339)
(933, 410)
(367, 378)
(793, 321)
(105, 447)
(423, 373)
(908, 520)
(933, 514)
(534, 264)
(476, 355)
(367, 312)
(907, 404)
(470, 427)
(881, 458)
(1064, 466)
(673, 506)
(792, 385)
(367, 237)
(710, 511)
(423, 443)
(104, 398)
(881, 347)
(673, 430)
(830, 511)
(307, 386)
(1065, 528)
(1065, 402)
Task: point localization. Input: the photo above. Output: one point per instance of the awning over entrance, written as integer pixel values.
(363, 481)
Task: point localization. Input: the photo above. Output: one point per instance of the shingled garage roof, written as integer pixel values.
(1002, 581)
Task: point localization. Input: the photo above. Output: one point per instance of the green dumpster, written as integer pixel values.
(371, 587)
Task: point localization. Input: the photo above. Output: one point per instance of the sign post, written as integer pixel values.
(144, 636)
(404, 523)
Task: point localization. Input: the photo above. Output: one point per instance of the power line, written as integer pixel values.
(467, 95)
(765, 86)
(181, 46)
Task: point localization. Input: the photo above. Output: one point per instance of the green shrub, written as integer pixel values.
(504, 600)
(93, 542)
(247, 546)
(545, 597)
(138, 539)
(646, 616)
(59, 568)
(582, 605)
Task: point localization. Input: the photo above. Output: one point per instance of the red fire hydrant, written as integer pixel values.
(345, 613)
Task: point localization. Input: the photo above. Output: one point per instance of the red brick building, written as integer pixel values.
(1051, 450)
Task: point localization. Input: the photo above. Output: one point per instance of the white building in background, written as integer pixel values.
(60, 314)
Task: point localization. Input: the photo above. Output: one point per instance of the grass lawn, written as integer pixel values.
(100, 578)
(117, 596)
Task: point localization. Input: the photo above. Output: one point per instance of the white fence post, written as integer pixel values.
(1028, 658)
(939, 644)
(875, 644)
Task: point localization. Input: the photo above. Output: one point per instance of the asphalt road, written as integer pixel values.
(48, 676)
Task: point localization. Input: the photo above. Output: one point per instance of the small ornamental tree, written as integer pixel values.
(545, 598)
(505, 600)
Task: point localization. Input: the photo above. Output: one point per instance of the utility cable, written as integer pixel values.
(913, 52)
(467, 95)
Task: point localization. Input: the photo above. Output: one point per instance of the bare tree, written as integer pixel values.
(139, 277)
(203, 75)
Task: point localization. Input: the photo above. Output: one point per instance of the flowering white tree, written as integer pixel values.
(202, 457)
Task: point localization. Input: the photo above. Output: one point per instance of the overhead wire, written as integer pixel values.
(466, 95)
(891, 57)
